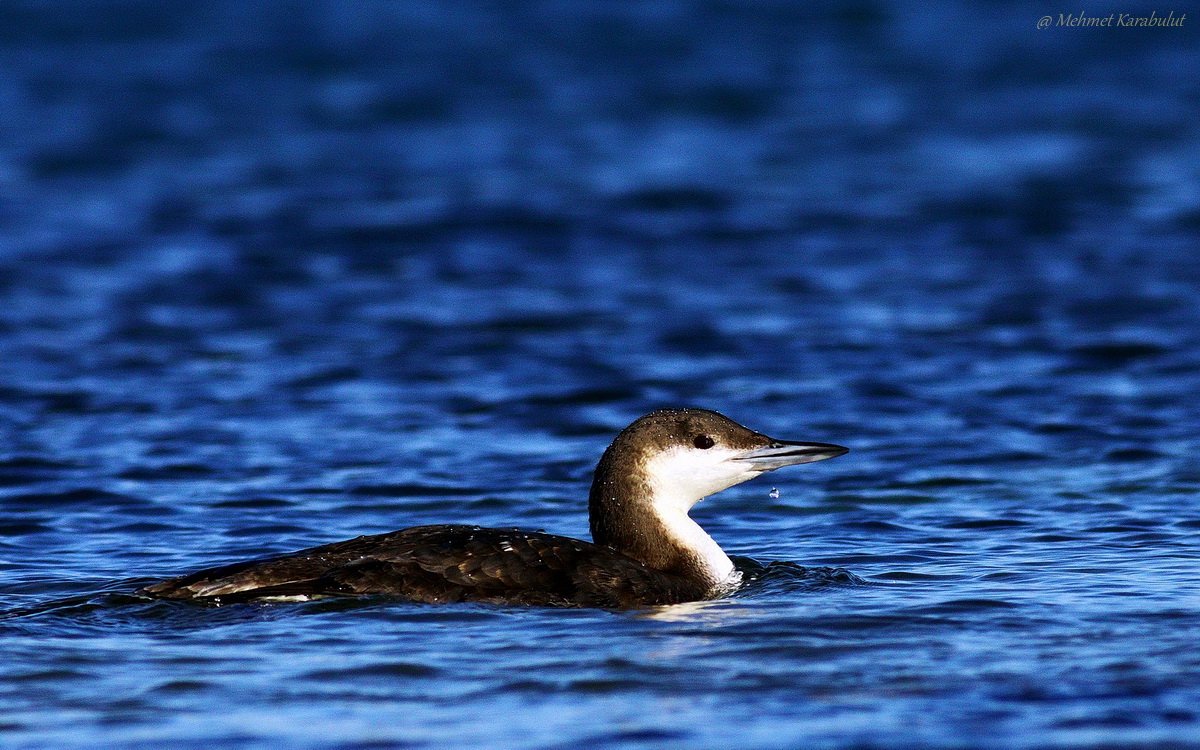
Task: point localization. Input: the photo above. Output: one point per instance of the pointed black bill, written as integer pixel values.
(782, 453)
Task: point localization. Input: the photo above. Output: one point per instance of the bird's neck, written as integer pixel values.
(634, 516)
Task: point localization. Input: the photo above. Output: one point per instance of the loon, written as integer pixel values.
(645, 550)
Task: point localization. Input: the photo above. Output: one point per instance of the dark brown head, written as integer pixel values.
(667, 461)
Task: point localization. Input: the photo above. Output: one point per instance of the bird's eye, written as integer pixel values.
(703, 442)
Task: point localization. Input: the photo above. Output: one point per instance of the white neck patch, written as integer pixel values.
(681, 477)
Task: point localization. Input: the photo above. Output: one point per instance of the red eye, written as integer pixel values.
(703, 442)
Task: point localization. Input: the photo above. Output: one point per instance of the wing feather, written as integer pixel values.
(445, 564)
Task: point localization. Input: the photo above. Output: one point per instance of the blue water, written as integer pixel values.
(275, 275)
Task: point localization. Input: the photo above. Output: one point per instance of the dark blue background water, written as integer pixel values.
(275, 274)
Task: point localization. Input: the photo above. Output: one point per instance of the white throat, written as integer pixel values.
(688, 535)
(680, 478)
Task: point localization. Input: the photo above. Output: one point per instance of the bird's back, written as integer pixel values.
(445, 563)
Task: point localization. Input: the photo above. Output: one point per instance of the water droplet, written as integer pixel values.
(773, 494)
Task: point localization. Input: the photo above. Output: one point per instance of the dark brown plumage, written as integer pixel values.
(446, 564)
(647, 550)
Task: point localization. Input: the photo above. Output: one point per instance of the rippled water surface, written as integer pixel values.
(270, 279)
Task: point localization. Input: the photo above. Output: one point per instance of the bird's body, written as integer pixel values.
(647, 551)
(446, 563)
